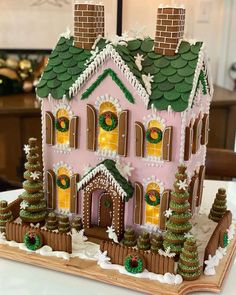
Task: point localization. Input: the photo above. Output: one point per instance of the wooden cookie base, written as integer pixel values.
(89, 269)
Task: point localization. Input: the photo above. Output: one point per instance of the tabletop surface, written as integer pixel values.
(22, 279)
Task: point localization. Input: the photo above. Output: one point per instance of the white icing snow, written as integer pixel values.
(112, 234)
(138, 61)
(125, 168)
(147, 80)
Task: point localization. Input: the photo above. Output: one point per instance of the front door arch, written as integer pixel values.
(98, 183)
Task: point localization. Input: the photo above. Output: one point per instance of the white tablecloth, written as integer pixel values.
(21, 279)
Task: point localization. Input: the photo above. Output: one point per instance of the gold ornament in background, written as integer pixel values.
(12, 63)
(2, 63)
(25, 65)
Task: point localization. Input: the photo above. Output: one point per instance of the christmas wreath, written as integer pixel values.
(133, 264)
(63, 181)
(62, 124)
(152, 198)
(154, 135)
(107, 204)
(33, 241)
(108, 121)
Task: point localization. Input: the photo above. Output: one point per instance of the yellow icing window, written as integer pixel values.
(62, 127)
(63, 188)
(108, 127)
(152, 201)
(154, 139)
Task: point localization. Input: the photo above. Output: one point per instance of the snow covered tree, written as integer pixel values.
(5, 215)
(143, 241)
(156, 242)
(129, 238)
(33, 206)
(178, 224)
(219, 206)
(188, 265)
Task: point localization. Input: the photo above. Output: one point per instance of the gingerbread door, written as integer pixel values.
(106, 210)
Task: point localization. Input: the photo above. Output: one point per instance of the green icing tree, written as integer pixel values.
(188, 265)
(77, 223)
(178, 224)
(129, 238)
(219, 206)
(52, 223)
(156, 242)
(143, 241)
(5, 215)
(63, 224)
(33, 206)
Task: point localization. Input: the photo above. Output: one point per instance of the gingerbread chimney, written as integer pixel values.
(88, 24)
(169, 30)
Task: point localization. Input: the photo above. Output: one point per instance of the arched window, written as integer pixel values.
(152, 202)
(62, 127)
(154, 138)
(108, 127)
(63, 188)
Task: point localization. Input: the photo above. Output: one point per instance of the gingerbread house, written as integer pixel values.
(118, 117)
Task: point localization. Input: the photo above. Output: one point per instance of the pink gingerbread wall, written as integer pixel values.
(80, 157)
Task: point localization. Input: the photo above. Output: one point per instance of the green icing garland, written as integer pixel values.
(149, 133)
(115, 78)
(59, 123)
(32, 241)
(133, 264)
(103, 123)
(66, 179)
(153, 194)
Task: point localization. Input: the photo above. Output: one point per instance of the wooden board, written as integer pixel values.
(89, 269)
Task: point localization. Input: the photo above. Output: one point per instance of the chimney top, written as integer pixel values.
(88, 24)
(169, 29)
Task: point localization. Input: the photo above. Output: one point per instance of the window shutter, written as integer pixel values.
(74, 193)
(188, 143)
(74, 132)
(123, 133)
(205, 129)
(167, 144)
(138, 203)
(165, 200)
(202, 172)
(197, 130)
(51, 189)
(50, 130)
(193, 193)
(91, 127)
(139, 139)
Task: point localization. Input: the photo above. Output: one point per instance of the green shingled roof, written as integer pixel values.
(172, 75)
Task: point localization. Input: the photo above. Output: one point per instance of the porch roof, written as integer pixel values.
(109, 169)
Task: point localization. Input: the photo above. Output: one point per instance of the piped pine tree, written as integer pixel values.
(178, 224)
(77, 223)
(33, 206)
(156, 242)
(188, 265)
(143, 241)
(5, 215)
(52, 223)
(219, 206)
(63, 224)
(129, 238)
